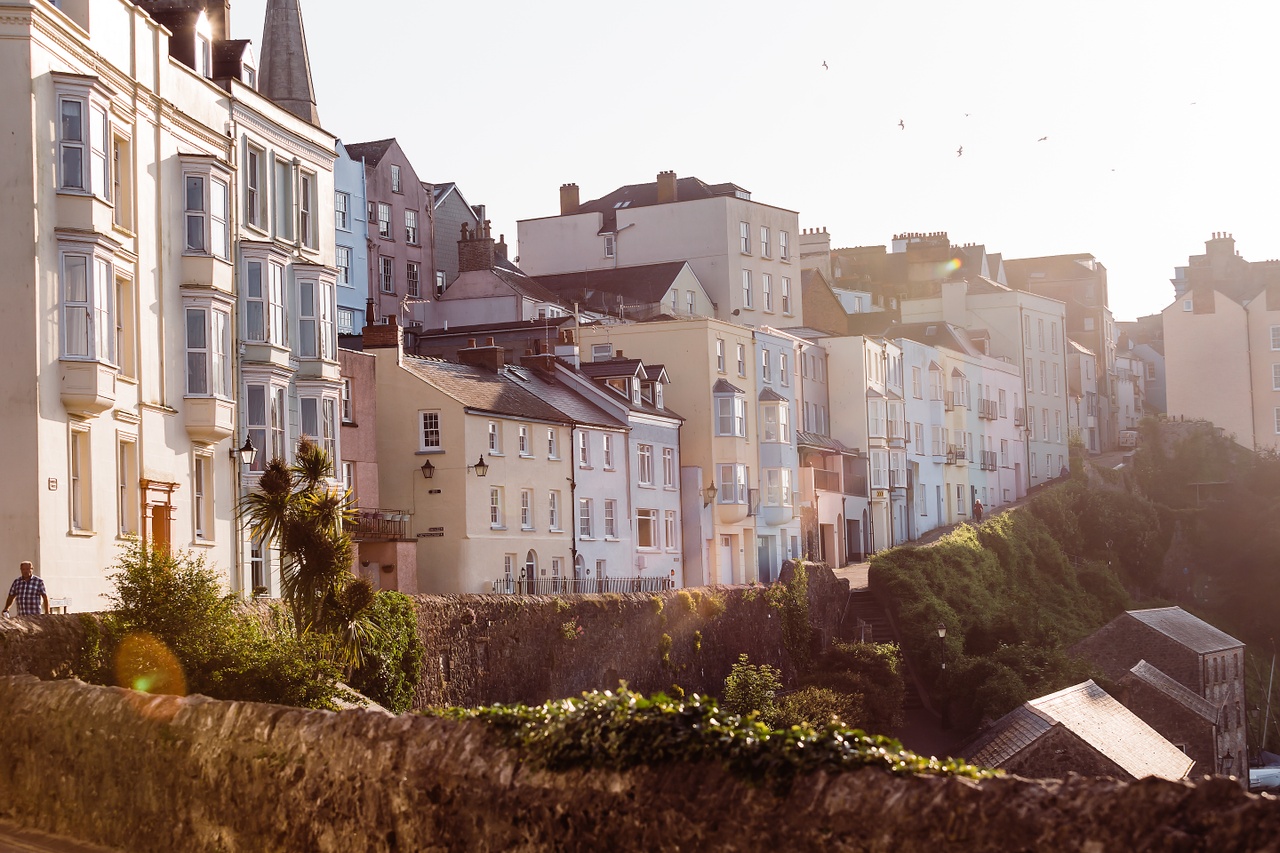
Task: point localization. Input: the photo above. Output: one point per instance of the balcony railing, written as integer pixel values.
(386, 524)
(956, 455)
(826, 481)
(988, 460)
(987, 409)
(578, 586)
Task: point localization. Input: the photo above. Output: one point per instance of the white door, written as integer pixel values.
(725, 573)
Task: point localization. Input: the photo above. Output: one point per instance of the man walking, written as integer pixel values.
(29, 591)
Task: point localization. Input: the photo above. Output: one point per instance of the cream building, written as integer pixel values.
(744, 252)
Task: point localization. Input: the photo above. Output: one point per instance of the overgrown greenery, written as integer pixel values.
(750, 689)
(391, 665)
(616, 731)
(860, 684)
(792, 599)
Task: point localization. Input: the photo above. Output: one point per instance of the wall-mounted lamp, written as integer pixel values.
(247, 453)
(709, 495)
(481, 467)
(428, 470)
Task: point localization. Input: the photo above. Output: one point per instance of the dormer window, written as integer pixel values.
(204, 47)
(635, 391)
(657, 395)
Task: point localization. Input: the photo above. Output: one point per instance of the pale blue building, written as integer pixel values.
(351, 247)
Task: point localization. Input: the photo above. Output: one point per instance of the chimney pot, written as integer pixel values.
(471, 343)
(568, 199)
(489, 342)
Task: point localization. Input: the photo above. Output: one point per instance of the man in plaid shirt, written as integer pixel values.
(29, 590)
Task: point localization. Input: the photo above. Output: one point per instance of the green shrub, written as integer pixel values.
(710, 605)
(868, 677)
(792, 599)
(750, 689)
(392, 665)
(664, 649)
(817, 706)
(685, 600)
(655, 603)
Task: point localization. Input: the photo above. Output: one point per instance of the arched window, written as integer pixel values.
(531, 564)
(579, 568)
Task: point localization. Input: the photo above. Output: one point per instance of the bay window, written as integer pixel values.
(88, 310)
(316, 332)
(205, 202)
(308, 234)
(733, 484)
(208, 350)
(264, 302)
(731, 416)
(319, 423)
(84, 138)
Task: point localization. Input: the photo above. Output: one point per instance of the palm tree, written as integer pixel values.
(295, 508)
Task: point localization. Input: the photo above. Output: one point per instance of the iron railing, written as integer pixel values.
(372, 523)
(579, 586)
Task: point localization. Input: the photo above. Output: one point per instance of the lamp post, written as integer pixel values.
(1228, 761)
(942, 644)
(247, 453)
(481, 467)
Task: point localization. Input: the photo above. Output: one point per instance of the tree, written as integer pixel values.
(750, 688)
(295, 508)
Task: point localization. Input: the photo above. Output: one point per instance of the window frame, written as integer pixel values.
(647, 517)
(430, 437)
(214, 351)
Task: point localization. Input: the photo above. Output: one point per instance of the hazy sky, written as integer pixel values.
(1160, 116)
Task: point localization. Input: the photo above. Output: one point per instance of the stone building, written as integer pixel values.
(1204, 660)
(1186, 720)
(1077, 730)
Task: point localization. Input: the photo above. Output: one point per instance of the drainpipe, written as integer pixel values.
(573, 500)
(1026, 400)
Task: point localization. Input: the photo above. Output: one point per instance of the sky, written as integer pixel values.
(1159, 115)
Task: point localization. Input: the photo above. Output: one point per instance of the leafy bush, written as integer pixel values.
(867, 678)
(817, 706)
(619, 730)
(750, 689)
(792, 598)
(392, 664)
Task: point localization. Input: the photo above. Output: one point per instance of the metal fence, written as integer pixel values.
(578, 586)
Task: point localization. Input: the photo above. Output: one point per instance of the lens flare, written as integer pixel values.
(144, 663)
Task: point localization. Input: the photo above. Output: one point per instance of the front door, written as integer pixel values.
(724, 573)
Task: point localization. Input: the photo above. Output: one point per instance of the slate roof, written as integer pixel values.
(645, 195)
(1185, 629)
(768, 395)
(482, 390)
(612, 368)
(938, 334)
(1079, 348)
(723, 387)
(371, 152)
(1092, 715)
(538, 325)
(645, 283)
(562, 397)
(1157, 680)
(657, 373)
(813, 439)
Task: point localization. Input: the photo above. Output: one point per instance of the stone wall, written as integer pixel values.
(156, 773)
(44, 646)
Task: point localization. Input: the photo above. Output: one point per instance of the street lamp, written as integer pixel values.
(709, 495)
(481, 467)
(1227, 761)
(942, 637)
(247, 453)
(428, 470)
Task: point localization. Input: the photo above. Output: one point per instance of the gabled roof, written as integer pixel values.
(657, 373)
(1185, 629)
(822, 442)
(1091, 714)
(483, 390)
(645, 195)
(371, 152)
(613, 368)
(1079, 348)
(723, 387)
(1157, 680)
(768, 395)
(480, 284)
(643, 283)
(937, 334)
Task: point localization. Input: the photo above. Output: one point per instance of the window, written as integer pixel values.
(1026, 330)
(1044, 425)
(784, 375)
(411, 278)
(495, 438)
(411, 226)
(346, 400)
(384, 220)
(282, 190)
(601, 352)
(1057, 426)
(264, 317)
(207, 226)
(84, 133)
(1040, 333)
(342, 260)
(373, 212)
(553, 444)
(553, 511)
(764, 241)
(308, 234)
(777, 422)
(584, 518)
(429, 430)
(88, 316)
(744, 233)
(610, 246)
(765, 368)
(747, 301)
(318, 423)
(1275, 377)
(1003, 412)
(1055, 380)
(71, 144)
(255, 202)
(387, 274)
(1033, 462)
(584, 451)
(522, 443)
(349, 477)
(611, 519)
(1053, 337)
(201, 497)
(733, 484)
(742, 360)
(395, 179)
(1030, 373)
(342, 211)
(79, 468)
(766, 289)
(121, 182)
(916, 384)
(526, 509)
(315, 323)
(672, 532)
(786, 295)
(208, 352)
(689, 302)
(1044, 385)
(495, 507)
(669, 467)
(645, 468)
(608, 451)
(440, 282)
(1187, 305)
(204, 47)
(1088, 324)
(647, 529)
(720, 354)
(1031, 421)
(1275, 337)
(784, 246)
(127, 486)
(731, 416)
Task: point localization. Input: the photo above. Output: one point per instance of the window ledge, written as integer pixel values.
(430, 451)
(82, 534)
(497, 527)
(528, 530)
(526, 455)
(203, 543)
(645, 486)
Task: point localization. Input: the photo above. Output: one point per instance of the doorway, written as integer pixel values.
(724, 566)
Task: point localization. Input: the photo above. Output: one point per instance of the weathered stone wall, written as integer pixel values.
(153, 773)
(482, 649)
(44, 646)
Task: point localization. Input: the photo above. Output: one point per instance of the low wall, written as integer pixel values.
(44, 646)
(157, 773)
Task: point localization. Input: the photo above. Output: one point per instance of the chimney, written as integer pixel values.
(386, 335)
(543, 361)
(667, 187)
(490, 356)
(567, 348)
(568, 199)
(500, 247)
(475, 249)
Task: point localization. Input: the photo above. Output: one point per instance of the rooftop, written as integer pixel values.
(1185, 629)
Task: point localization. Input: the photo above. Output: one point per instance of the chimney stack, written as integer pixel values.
(568, 199)
(490, 356)
(383, 335)
(475, 249)
(500, 247)
(667, 187)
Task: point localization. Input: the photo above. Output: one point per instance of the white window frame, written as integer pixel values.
(206, 213)
(748, 297)
(495, 508)
(584, 450)
(720, 362)
(495, 438)
(267, 294)
(396, 185)
(255, 181)
(668, 467)
(647, 520)
(202, 499)
(411, 227)
(413, 275)
(644, 464)
(610, 519)
(610, 246)
(80, 478)
(211, 352)
(742, 359)
(342, 260)
(764, 241)
(127, 497)
(585, 529)
(744, 234)
(89, 297)
(430, 434)
(784, 246)
(553, 510)
(553, 443)
(83, 157)
(308, 233)
(341, 210)
(384, 220)
(386, 274)
(786, 296)
(526, 509)
(671, 529)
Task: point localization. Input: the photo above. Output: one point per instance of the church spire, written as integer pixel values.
(285, 75)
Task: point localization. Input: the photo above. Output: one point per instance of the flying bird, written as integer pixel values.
(902, 124)
(960, 151)
(1042, 139)
(824, 64)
